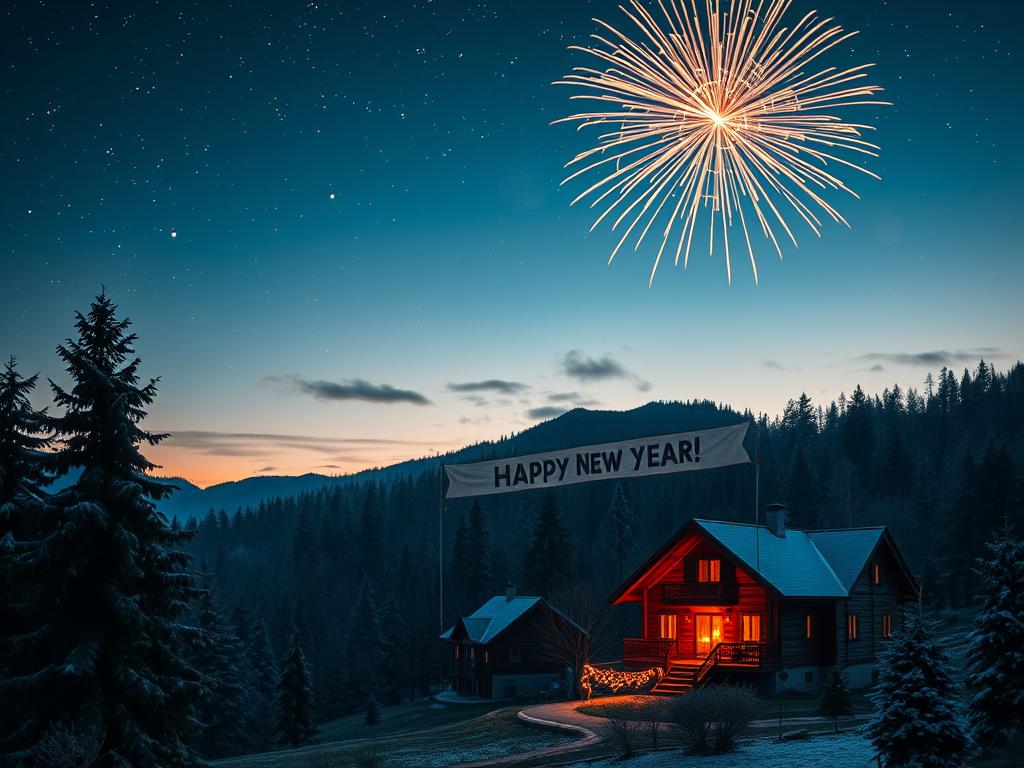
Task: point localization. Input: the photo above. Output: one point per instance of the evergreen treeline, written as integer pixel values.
(356, 567)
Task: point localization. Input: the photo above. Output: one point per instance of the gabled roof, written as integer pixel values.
(822, 564)
(792, 565)
(496, 615)
(847, 551)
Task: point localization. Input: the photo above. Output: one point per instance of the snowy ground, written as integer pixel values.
(844, 751)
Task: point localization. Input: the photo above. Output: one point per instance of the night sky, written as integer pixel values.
(339, 230)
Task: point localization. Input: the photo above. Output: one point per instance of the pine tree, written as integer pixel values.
(478, 555)
(364, 649)
(996, 646)
(618, 528)
(263, 670)
(857, 431)
(23, 505)
(918, 720)
(801, 494)
(107, 586)
(460, 576)
(23, 473)
(394, 659)
(548, 561)
(295, 698)
(224, 706)
(835, 698)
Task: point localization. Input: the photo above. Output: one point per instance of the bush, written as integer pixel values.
(369, 757)
(835, 698)
(711, 719)
(624, 727)
(652, 712)
(372, 710)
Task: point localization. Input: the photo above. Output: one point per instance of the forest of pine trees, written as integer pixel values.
(264, 621)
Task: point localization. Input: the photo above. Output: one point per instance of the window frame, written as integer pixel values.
(876, 573)
(887, 626)
(709, 570)
(852, 626)
(809, 626)
(671, 620)
(749, 622)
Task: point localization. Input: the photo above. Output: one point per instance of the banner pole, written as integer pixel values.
(757, 494)
(440, 542)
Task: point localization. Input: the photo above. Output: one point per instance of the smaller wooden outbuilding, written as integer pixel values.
(497, 652)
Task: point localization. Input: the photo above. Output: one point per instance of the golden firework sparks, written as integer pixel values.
(726, 113)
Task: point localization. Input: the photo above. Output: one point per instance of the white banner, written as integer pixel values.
(660, 455)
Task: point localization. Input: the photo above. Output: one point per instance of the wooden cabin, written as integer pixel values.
(497, 652)
(742, 602)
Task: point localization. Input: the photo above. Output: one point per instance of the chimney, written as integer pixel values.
(510, 591)
(776, 518)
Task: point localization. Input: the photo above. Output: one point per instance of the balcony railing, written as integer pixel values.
(752, 654)
(713, 593)
(640, 651)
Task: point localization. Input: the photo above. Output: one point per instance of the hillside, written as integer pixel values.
(577, 427)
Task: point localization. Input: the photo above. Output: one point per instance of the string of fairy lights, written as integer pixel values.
(616, 680)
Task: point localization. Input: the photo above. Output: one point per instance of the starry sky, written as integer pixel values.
(339, 230)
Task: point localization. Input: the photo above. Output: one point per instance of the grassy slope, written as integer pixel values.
(449, 738)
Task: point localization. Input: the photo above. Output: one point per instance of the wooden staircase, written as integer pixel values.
(680, 678)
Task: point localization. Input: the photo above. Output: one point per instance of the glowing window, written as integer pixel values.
(852, 626)
(667, 628)
(876, 573)
(887, 625)
(709, 571)
(751, 628)
(808, 626)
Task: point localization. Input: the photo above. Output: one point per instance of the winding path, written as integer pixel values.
(564, 716)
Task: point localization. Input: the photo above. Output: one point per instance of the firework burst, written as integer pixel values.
(725, 115)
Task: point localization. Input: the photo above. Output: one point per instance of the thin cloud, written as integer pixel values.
(934, 358)
(265, 469)
(877, 368)
(578, 366)
(268, 445)
(774, 365)
(545, 412)
(351, 389)
(501, 386)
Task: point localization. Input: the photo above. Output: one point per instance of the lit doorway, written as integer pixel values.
(709, 632)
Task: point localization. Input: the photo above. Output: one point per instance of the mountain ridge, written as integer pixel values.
(579, 426)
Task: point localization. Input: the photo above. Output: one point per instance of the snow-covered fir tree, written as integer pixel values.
(995, 648)
(295, 699)
(919, 719)
(835, 698)
(224, 706)
(107, 585)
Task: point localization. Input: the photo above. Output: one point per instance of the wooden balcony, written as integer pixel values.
(651, 653)
(714, 593)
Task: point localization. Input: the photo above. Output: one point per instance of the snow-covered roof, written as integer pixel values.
(792, 564)
(494, 617)
(847, 551)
